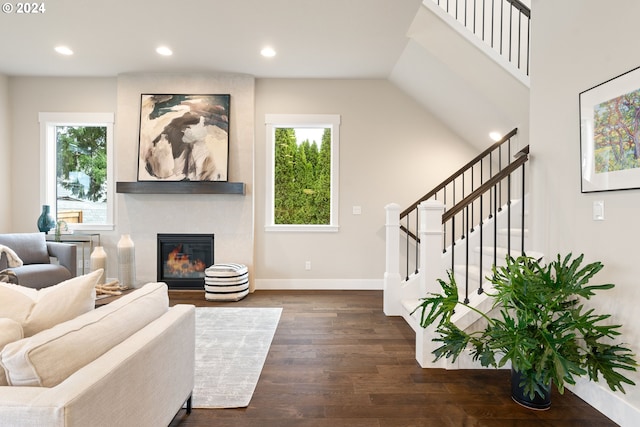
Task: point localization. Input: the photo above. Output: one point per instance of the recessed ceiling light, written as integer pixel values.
(63, 50)
(496, 136)
(164, 51)
(268, 52)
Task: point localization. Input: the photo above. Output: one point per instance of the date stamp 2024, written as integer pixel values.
(32, 8)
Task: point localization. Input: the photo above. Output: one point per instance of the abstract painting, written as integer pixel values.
(183, 137)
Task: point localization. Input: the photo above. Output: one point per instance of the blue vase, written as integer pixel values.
(45, 220)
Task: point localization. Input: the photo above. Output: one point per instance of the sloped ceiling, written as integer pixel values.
(461, 82)
(401, 40)
(313, 39)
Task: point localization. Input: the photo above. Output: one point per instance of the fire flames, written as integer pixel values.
(180, 265)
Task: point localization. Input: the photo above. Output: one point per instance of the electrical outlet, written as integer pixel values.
(87, 264)
(307, 265)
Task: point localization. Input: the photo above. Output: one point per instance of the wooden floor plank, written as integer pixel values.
(336, 360)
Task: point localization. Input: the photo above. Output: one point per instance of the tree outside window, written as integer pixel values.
(78, 168)
(302, 172)
(81, 173)
(302, 178)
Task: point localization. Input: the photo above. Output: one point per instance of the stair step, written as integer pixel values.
(474, 270)
(465, 317)
(474, 278)
(412, 320)
(410, 304)
(514, 232)
(502, 252)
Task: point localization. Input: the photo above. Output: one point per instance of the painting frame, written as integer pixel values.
(184, 137)
(609, 143)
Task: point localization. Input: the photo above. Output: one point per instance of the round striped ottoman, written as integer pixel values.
(226, 282)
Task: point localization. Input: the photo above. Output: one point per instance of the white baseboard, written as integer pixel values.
(319, 284)
(609, 403)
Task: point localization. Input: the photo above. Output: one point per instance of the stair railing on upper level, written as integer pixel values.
(462, 183)
(505, 25)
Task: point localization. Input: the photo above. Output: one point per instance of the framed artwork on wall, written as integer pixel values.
(610, 134)
(183, 137)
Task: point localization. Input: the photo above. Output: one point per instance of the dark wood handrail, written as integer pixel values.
(521, 7)
(459, 172)
(410, 233)
(521, 158)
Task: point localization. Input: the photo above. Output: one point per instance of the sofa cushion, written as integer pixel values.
(37, 310)
(30, 247)
(49, 357)
(10, 331)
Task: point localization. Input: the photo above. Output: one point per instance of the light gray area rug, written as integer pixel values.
(231, 346)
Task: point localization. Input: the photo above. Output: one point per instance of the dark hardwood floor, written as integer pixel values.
(337, 360)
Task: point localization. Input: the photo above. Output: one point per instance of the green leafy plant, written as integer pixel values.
(539, 323)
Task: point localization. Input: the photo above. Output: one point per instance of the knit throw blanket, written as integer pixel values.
(8, 276)
(13, 260)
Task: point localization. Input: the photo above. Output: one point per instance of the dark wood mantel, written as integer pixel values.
(180, 187)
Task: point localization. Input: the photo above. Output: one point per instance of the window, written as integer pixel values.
(302, 172)
(78, 168)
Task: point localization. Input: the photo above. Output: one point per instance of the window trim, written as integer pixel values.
(48, 123)
(273, 121)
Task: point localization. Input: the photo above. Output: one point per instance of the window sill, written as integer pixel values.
(302, 228)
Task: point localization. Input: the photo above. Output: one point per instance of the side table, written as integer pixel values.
(104, 300)
(80, 240)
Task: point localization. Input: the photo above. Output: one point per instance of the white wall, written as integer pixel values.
(229, 217)
(578, 44)
(29, 96)
(391, 150)
(5, 151)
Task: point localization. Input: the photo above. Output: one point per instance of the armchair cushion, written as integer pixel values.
(37, 276)
(30, 247)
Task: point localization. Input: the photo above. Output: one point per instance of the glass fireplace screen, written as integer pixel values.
(182, 259)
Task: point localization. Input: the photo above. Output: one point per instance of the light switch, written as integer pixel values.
(598, 210)
(357, 210)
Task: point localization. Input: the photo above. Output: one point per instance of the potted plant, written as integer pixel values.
(539, 323)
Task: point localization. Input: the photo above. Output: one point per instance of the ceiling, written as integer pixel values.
(313, 39)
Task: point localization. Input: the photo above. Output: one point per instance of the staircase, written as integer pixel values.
(467, 224)
(476, 217)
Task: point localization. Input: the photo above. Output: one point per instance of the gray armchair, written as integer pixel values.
(37, 270)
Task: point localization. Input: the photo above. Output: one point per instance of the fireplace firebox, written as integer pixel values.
(183, 258)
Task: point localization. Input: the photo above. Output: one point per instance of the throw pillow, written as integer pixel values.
(10, 331)
(37, 310)
(16, 302)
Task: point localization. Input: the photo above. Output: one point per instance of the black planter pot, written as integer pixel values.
(519, 396)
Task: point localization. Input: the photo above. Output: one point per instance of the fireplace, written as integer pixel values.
(182, 259)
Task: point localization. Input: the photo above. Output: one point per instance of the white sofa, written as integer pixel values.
(128, 363)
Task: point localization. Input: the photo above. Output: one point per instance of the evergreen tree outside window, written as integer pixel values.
(302, 167)
(77, 168)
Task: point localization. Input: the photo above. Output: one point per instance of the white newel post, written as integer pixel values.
(430, 212)
(391, 295)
